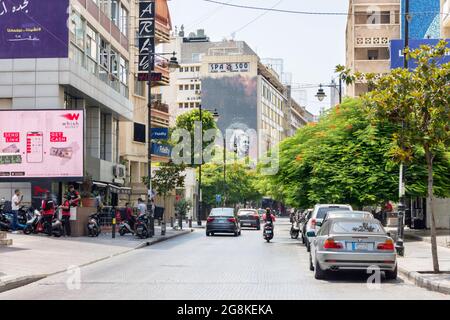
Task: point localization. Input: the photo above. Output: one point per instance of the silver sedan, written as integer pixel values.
(352, 244)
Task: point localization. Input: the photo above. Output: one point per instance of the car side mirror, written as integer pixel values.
(310, 234)
(388, 234)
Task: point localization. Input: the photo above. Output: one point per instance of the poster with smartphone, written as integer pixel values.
(41, 144)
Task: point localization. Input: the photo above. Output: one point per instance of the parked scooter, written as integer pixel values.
(6, 219)
(295, 226)
(142, 226)
(93, 225)
(268, 231)
(125, 227)
(37, 225)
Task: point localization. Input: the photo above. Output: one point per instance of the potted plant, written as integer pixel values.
(87, 197)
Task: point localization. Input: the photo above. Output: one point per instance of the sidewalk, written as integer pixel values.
(417, 264)
(33, 257)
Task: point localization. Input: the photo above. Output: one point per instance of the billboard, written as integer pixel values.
(235, 98)
(397, 48)
(34, 29)
(41, 144)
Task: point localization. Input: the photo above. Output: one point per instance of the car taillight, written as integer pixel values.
(256, 216)
(331, 244)
(232, 219)
(210, 219)
(313, 223)
(387, 245)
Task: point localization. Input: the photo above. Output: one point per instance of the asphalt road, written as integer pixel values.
(222, 267)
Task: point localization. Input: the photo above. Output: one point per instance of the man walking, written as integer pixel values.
(15, 206)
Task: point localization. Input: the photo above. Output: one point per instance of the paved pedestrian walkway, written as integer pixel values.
(36, 256)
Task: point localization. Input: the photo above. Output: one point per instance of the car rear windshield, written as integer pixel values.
(247, 213)
(223, 212)
(348, 215)
(323, 211)
(356, 227)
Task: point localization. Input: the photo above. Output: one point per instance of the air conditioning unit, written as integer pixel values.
(119, 171)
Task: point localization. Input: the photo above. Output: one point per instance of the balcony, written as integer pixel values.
(373, 66)
(163, 22)
(380, 35)
(160, 114)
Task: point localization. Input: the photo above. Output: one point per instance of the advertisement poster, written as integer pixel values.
(397, 48)
(41, 144)
(34, 29)
(235, 99)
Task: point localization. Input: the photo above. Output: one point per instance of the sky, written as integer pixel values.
(311, 46)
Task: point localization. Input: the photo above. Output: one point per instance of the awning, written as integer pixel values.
(119, 190)
(100, 184)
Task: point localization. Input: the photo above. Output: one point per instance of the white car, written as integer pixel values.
(317, 216)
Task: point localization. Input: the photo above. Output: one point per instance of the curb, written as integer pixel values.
(422, 282)
(25, 280)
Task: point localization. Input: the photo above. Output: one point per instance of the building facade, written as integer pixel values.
(91, 73)
(371, 25)
(445, 19)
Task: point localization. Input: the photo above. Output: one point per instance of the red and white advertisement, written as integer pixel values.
(41, 144)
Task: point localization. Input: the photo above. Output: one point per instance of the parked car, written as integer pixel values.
(306, 215)
(319, 212)
(261, 212)
(352, 244)
(249, 218)
(347, 214)
(223, 220)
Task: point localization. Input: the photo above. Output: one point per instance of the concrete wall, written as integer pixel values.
(441, 213)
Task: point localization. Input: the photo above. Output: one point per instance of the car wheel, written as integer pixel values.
(391, 275)
(319, 274)
(208, 234)
(239, 232)
(311, 266)
(236, 233)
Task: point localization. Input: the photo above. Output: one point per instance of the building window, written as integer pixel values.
(139, 132)
(181, 69)
(115, 12)
(192, 87)
(139, 87)
(180, 87)
(197, 87)
(186, 105)
(180, 105)
(77, 29)
(372, 54)
(192, 105)
(197, 69)
(192, 69)
(105, 6)
(186, 87)
(123, 16)
(186, 69)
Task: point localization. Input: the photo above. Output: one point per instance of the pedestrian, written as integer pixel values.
(48, 212)
(65, 217)
(74, 196)
(141, 207)
(129, 215)
(15, 206)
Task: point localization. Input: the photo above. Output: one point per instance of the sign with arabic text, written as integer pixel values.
(34, 29)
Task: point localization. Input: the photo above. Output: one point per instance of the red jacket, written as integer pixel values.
(66, 213)
(273, 217)
(50, 211)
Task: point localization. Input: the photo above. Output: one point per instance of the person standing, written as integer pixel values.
(74, 196)
(65, 207)
(15, 206)
(48, 212)
(142, 207)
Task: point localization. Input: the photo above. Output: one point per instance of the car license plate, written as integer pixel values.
(221, 221)
(246, 224)
(362, 246)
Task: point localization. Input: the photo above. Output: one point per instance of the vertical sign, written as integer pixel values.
(146, 36)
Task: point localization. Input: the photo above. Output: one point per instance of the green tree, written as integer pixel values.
(416, 102)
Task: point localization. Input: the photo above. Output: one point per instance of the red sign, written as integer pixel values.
(57, 137)
(156, 76)
(11, 136)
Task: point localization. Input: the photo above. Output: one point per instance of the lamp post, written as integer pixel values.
(401, 189)
(321, 93)
(216, 117)
(173, 64)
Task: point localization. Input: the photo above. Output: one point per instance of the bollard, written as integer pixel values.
(151, 226)
(171, 222)
(180, 222)
(114, 228)
(190, 222)
(163, 228)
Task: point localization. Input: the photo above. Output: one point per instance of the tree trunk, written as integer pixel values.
(434, 252)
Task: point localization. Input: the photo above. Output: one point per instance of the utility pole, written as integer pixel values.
(199, 204)
(401, 189)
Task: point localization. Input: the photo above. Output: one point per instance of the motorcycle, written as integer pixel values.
(93, 225)
(268, 231)
(6, 219)
(37, 225)
(142, 226)
(295, 227)
(125, 227)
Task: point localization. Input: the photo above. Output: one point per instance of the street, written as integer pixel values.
(194, 266)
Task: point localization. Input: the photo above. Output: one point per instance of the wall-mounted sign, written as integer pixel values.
(161, 150)
(34, 29)
(397, 48)
(156, 76)
(41, 144)
(229, 67)
(160, 133)
(146, 36)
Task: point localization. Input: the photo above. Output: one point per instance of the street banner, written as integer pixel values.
(160, 133)
(34, 29)
(397, 49)
(41, 144)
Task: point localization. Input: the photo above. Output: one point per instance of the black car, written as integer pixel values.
(249, 218)
(223, 220)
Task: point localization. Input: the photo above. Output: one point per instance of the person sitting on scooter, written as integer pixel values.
(129, 215)
(48, 212)
(268, 217)
(65, 207)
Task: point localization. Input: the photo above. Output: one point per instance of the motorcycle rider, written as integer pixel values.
(48, 212)
(65, 207)
(268, 217)
(129, 215)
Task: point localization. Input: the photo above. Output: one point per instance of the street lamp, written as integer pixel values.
(321, 93)
(216, 117)
(173, 65)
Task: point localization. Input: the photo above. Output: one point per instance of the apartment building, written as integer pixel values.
(228, 76)
(81, 60)
(445, 19)
(134, 134)
(371, 25)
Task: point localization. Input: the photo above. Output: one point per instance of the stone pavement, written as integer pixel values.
(417, 264)
(33, 257)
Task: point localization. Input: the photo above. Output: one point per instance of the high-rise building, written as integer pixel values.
(78, 57)
(228, 76)
(371, 25)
